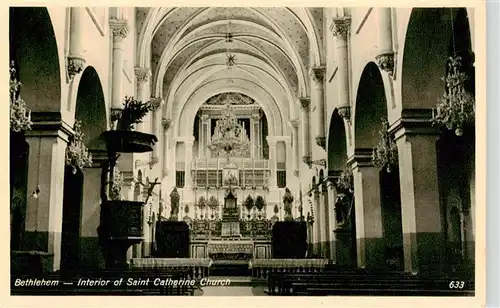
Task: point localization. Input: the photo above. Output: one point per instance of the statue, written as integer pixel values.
(287, 200)
(342, 209)
(174, 203)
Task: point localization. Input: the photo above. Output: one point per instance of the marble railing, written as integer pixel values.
(200, 267)
(262, 267)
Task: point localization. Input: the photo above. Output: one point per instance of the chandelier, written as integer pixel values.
(229, 137)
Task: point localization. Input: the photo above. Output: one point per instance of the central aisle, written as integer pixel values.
(239, 286)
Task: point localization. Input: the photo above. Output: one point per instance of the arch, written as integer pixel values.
(428, 44)
(337, 143)
(194, 101)
(370, 108)
(91, 108)
(33, 48)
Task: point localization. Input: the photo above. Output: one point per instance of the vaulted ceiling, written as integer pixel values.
(187, 50)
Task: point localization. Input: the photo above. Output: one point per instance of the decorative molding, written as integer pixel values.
(321, 141)
(75, 66)
(385, 62)
(294, 123)
(142, 74)
(119, 28)
(345, 113)
(166, 123)
(309, 162)
(305, 103)
(317, 74)
(340, 26)
(156, 102)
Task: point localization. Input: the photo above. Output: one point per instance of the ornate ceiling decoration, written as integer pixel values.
(189, 47)
(232, 98)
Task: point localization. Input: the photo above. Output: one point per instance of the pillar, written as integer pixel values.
(368, 211)
(156, 104)
(188, 178)
(119, 29)
(332, 222)
(142, 77)
(385, 54)
(166, 125)
(255, 136)
(76, 61)
(91, 252)
(44, 211)
(340, 29)
(306, 130)
(325, 217)
(318, 100)
(317, 223)
(272, 161)
(423, 232)
(295, 145)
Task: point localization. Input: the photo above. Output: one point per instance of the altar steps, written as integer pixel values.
(230, 268)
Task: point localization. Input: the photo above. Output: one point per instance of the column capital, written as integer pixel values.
(294, 123)
(256, 116)
(340, 26)
(119, 28)
(166, 123)
(317, 74)
(272, 140)
(142, 74)
(49, 124)
(156, 102)
(205, 117)
(305, 103)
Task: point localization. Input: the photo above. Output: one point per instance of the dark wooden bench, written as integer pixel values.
(363, 283)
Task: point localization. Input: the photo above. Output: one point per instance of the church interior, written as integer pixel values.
(294, 151)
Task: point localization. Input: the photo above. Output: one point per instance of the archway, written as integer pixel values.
(344, 243)
(35, 58)
(33, 48)
(91, 112)
(446, 33)
(387, 233)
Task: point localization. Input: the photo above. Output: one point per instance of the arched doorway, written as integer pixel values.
(90, 111)
(343, 224)
(433, 36)
(377, 193)
(34, 54)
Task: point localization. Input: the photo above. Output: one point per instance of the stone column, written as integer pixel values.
(272, 161)
(318, 100)
(188, 178)
(255, 135)
(340, 29)
(157, 104)
(332, 222)
(44, 209)
(385, 57)
(142, 76)
(325, 226)
(368, 211)
(296, 151)
(423, 232)
(317, 223)
(306, 130)
(166, 125)
(119, 29)
(205, 135)
(76, 60)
